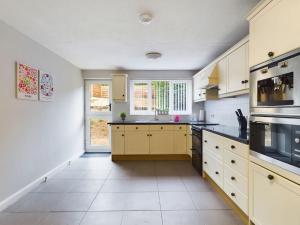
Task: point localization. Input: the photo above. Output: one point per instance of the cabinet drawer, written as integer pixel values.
(214, 169)
(117, 127)
(236, 163)
(136, 127)
(237, 147)
(240, 199)
(236, 180)
(161, 127)
(180, 128)
(214, 144)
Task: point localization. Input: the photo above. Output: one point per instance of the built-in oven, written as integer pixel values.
(197, 148)
(276, 140)
(275, 86)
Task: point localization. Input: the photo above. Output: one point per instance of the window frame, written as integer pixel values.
(188, 110)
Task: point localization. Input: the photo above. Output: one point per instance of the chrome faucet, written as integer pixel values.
(155, 114)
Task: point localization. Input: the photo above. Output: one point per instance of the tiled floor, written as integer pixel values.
(96, 191)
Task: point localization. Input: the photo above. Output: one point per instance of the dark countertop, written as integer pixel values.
(150, 122)
(229, 132)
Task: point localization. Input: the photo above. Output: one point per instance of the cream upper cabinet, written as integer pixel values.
(274, 200)
(119, 87)
(274, 30)
(118, 143)
(161, 142)
(223, 75)
(238, 69)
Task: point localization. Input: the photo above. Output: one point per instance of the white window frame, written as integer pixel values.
(171, 102)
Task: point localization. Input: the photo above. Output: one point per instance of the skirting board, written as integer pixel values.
(19, 194)
(149, 157)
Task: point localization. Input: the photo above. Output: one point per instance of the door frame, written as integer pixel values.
(88, 115)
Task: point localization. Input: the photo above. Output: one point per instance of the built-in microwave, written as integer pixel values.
(276, 140)
(275, 86)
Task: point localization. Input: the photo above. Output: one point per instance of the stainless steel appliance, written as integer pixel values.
(275, 86)
(197, 148)
(276, 140)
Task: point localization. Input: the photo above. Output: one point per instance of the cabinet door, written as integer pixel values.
(117, 143)
(189, 144)
(136, 143)
(180, 141)
(275, 29)
(274, 200)
(223, 73)
(238, 69)
(119, 87)
(161, 142)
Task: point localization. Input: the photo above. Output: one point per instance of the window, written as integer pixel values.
(166, 96)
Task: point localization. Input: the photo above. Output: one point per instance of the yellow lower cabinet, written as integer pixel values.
(137, 142)
(161, 142)
(118, 143)
(274, 200)
(180, 142)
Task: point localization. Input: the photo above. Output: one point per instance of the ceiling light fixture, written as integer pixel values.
(153, 55)
(145, 18)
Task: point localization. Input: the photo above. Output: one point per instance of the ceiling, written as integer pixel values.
(107, 34)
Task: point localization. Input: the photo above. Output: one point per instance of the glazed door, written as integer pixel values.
(97, 114)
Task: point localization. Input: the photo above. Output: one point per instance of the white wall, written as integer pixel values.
(222, 111)
(117, 108)
(36, 137)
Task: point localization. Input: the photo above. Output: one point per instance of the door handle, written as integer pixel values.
(109, 107)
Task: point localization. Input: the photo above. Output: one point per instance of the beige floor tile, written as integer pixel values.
(126, 201)
(182, 218)
(62, 218)
(131, 185)
(219, 217)
(20, 218)
(176, 201)
(170, 184)
(102, 218)
(196, 183)
(142, 218)
(208, 200)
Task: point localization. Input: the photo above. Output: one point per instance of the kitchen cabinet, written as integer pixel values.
(118, 143)
(225, 161)
(274, 200)
(119, 87)
(180, 142)
(136, 142)
(223, 74)
(201, 94)
(155, 139)
(274, 30)
(238, 69)
(161, 142)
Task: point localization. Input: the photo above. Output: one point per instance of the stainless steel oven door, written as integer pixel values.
(277, 141)
(275, 86)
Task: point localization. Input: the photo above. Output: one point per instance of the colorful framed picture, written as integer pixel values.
(46, 86)
(27, 82)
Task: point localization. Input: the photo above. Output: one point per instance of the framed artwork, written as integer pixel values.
(46, 87)
(27, 82)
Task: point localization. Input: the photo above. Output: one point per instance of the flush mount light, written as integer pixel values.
(153, 55)
(145, 18)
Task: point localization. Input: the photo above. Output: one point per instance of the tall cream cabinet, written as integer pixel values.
(274, 29)
(156, 139)
(274, 200)
(238, 69)
(119, 87)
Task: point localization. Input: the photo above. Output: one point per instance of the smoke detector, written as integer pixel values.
(153, 55)
(145, 18)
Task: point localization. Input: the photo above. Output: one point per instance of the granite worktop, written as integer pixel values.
(151, 122)
(233, 133)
